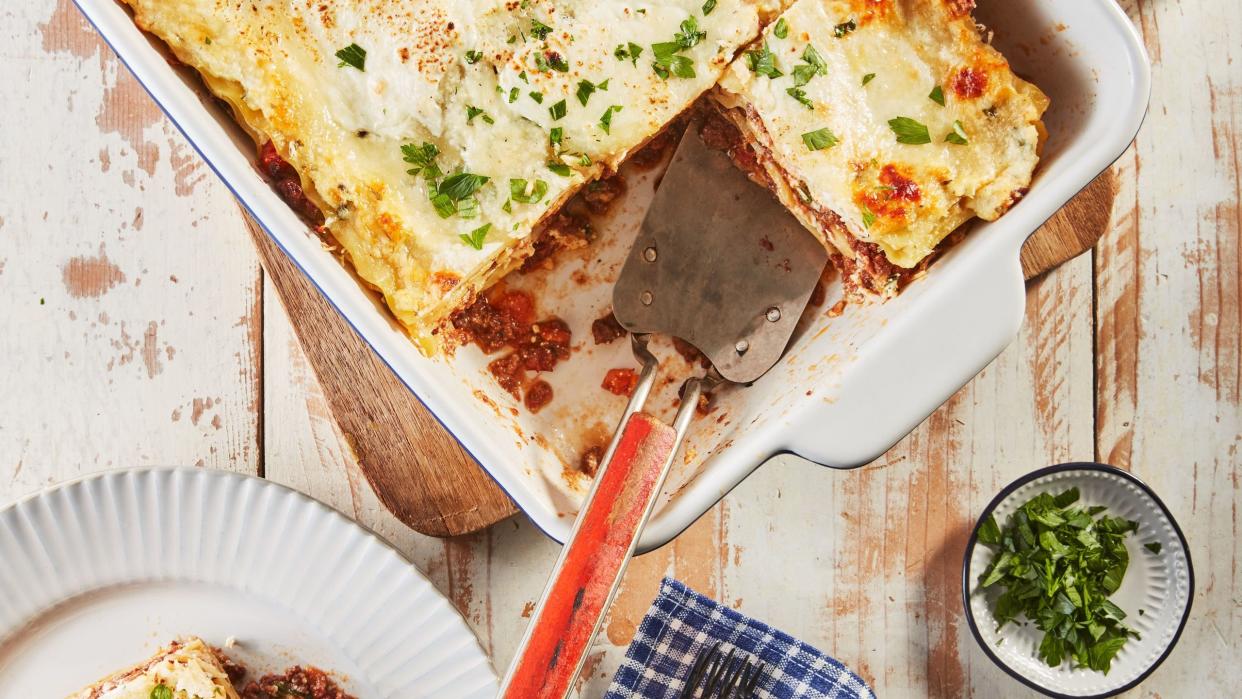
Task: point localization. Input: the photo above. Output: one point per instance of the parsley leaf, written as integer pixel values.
(819, 139)
(476, 237)
(868, 78)
(423, 158)
(957, 135)
(762, 62)
(461, 185)
(868, 216)
(161, 691)
(539, 30)
(352, 55)
(668, 62)
(1153, 546)
(546, 61)
(585, 90)
(800, 95)
(689, 36)
(628, 51)
(537, 96)
(844, 28)
(473, 56)
(513, 95)
(708, 7)
(909, 131)
(937, 95)
(473, 111)
(525, 192)
(558, 110)
(781, 30)
(555, 135)
(559, 168)
(605, 121)
(604, 85)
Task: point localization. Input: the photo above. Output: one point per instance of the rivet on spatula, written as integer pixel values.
(646, 298)
(650, 254)
(741, 346)
(773, 314)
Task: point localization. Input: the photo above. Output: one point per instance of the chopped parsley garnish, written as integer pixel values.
(957, 135)
(708, 7)
(585, 89)
(537, 96)
(473, 56)
(668, 62)
(909, 131)
(513, 95)
(868, 78)
(161, 691)
(936, 95)
(605, 121)
(800, 95)
(455, 195)
(781, 30)
(423, 158)
(473, 111)
(844, 28)
(1056, 565)
(525, 192)
(811, 66)
(352, 55)
(555, 135)
(604, 85)
(1153, 546)
(522, 77)
(628, 51)
(559, 168)
(763, 62)
(539, 30)
(476, 237)
(546, 61)
(689, 36)
(507, 207)
(868, 216)
(819, 139)
(557, 110)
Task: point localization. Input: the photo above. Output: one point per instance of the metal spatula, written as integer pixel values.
(722, 265)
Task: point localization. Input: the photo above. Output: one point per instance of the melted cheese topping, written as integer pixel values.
(428, 65)
(188, 668)
(904, 197)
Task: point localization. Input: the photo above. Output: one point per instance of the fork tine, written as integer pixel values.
(706, 657)
(750, 681)
(715, 679)
(731, 679)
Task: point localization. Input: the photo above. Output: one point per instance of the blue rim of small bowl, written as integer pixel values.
(974, 538)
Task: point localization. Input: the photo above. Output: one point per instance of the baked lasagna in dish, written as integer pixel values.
(186, 669)
(433, 136)
(883, 125)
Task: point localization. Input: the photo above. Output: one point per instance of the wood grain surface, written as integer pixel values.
(138, 327)
(416, 467)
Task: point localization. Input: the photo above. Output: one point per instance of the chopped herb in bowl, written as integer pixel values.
(1055, 565)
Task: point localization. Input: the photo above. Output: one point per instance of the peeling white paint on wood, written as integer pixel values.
(137, 329)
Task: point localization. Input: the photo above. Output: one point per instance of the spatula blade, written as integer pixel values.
(720, 263)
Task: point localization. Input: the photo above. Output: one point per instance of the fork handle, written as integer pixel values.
(574, 603)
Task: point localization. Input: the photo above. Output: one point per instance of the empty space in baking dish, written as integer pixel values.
(848, 388)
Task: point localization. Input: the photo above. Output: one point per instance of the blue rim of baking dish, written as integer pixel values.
(1009, 490)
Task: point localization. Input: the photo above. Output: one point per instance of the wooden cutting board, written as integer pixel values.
(419, 471)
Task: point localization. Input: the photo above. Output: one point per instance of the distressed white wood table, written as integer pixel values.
(136, 328)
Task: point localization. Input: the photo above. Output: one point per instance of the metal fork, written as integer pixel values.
(732, 676)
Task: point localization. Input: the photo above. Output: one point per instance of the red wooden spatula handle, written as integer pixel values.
(574, 603)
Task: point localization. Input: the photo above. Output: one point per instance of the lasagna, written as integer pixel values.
(186, 669)
(883, 125)
(434, 136)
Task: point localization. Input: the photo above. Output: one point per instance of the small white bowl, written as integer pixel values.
(1161, 585)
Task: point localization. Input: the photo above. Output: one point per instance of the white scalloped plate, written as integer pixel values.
(1161, 585)
(97, 574)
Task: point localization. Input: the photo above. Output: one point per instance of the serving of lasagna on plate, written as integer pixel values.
(433, 136)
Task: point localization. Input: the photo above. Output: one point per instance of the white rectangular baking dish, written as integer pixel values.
(848, 389)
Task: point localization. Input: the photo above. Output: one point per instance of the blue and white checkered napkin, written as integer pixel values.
(681, 623)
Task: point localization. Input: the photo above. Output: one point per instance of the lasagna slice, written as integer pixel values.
(186, 669)
(883, 125)
(435, 135)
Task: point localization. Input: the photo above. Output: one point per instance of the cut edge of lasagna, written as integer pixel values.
(187, 667)
(883, 126)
